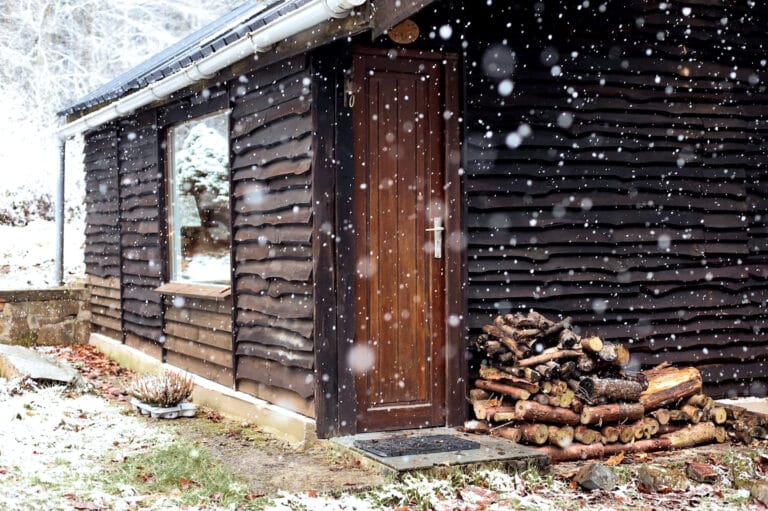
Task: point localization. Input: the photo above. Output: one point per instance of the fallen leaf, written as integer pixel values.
(86, 505)
(216, 497)
(614, 460)
(146, 477)
(312, 494)
(252, 496)
(185, 483)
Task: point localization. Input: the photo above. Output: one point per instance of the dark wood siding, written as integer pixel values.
(637, 203)
(102, 248)
(140, 230)
(102, 233)
(272, 152)
(198, 336)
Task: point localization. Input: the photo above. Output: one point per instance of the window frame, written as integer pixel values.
(173, 283)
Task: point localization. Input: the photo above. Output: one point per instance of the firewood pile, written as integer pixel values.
(542, 384)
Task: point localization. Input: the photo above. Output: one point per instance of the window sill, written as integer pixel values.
(207, 291)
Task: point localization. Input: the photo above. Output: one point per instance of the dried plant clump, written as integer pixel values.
(167, 389)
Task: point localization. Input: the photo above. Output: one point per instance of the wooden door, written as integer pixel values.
(399, 351)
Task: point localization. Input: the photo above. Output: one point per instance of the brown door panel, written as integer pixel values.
(399, 284)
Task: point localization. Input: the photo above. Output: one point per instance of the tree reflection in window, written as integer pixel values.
(198, 217)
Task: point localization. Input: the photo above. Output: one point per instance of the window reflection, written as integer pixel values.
(199, 215)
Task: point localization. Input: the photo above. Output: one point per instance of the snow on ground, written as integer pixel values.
(54, 445)
(27, 254)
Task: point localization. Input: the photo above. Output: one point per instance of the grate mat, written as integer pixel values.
(410, 446)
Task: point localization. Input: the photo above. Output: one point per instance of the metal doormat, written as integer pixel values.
(412, 445)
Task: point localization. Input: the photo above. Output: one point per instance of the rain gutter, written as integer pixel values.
(261, 40)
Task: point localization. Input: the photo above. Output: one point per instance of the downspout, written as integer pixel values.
(58, 277)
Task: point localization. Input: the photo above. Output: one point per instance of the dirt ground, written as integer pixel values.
(266, 463)
(269, 465)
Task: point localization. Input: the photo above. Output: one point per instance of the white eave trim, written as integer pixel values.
(303, 18)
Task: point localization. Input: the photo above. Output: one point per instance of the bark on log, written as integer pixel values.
(546, 357)
(578, 452)
(507, 390)
(556, 328)
(500, 413)
(509, 433)
(701, 433)
(493, 374)
(611, 389)
(615, 412)
(532, 411)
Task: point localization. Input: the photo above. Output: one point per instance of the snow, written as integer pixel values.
(54, 445)
(27, 254)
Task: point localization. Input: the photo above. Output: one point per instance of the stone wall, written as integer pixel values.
(44, 317)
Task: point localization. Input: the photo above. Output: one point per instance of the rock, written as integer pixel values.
(596, 476)
(759, 492)
(661, 480)
(701, 472)
(18, 362)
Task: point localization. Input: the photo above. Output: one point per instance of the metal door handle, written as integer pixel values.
(437, 231)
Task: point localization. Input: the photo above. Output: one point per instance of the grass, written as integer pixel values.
(186, 471)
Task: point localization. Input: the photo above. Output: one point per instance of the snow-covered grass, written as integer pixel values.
(27, 254)
(54, 445)
(531, 490)
(65, 451)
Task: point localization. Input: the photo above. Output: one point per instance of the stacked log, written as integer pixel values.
(542, 384)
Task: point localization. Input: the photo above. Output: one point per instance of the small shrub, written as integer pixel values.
(167, 389)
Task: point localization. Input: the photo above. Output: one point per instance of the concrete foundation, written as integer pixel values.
(282, 423)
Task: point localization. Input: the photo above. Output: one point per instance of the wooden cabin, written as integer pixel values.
(326, 224)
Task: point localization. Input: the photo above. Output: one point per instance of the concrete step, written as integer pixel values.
(19, 362)
(492, 452)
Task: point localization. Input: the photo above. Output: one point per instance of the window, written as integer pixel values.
(198, 197)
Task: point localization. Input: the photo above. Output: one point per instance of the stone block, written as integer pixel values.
(82, 331)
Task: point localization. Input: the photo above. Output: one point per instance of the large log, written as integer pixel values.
(701, 433)
(615, 412)
(577, 452)
(532, 411)
(668, 385)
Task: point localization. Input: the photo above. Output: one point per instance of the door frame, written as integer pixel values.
(333, 269)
